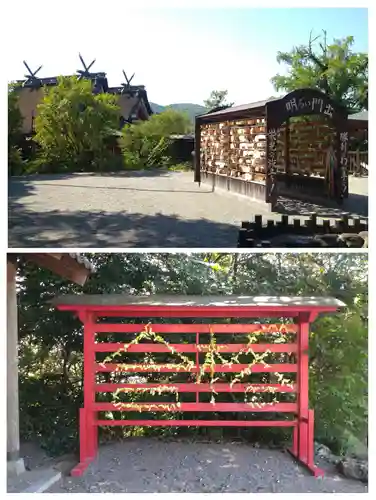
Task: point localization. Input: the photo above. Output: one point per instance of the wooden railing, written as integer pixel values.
(358, 162)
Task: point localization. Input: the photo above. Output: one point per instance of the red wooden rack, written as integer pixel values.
(92, 309)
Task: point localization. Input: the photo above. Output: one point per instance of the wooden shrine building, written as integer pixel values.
(293, 146)
(133, 99)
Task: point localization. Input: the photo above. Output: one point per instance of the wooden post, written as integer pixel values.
(295, 441)
(287, 152)
(15, 464)
(197, 364)
(89, 384)
(310, 437)
(83, 438)
(228, 172)
(357, 162)
(303, 387)
(268, 186)
(197, 177)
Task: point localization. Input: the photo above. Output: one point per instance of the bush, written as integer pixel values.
(49, 411)
(15, 161)
(74, 127)
(145, 144)
(339, 381)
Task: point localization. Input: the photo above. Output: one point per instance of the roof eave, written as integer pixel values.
(220, 116)
(72, 266)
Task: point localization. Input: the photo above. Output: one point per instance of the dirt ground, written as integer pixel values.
(160, 466)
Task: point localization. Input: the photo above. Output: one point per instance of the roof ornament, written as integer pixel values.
(32, 80)
(85, 73)
(127, 89)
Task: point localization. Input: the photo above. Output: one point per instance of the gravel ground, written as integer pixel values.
(154, 209)
(155, 466)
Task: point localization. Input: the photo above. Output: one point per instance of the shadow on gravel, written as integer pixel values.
(69, 186)
(118, 229)
(20, 188)
(72, 175)
(356, 205)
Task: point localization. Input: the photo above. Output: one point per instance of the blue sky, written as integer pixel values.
(179, 54)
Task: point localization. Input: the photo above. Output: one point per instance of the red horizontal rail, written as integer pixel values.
(220, 387)
(178, 328)
(197, 312)
(237, 407)
(235, 368)
(201, 423)
(222, 348)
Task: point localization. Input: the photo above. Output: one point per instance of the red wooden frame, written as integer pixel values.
(303, 418)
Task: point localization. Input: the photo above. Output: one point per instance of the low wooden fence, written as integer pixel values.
(358, 162)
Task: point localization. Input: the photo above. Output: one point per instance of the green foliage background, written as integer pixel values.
(77, 131)
(15, 162)
(332, 68)
(51, 341)
(217, 98)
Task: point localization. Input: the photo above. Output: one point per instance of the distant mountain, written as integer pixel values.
(191, 109)
(157, 108)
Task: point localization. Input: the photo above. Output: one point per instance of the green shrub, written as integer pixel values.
(15, 161)
(74, 127)
(145, 144)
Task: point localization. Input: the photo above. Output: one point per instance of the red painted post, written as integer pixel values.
(83, 437)
(303, 366)
(197, 366)
(310, 437)
(89, 383)
(295, 441)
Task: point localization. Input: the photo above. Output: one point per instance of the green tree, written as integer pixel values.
(15, 163)
(217, 99)
(332, 68)
(145, 144)
(74, 127)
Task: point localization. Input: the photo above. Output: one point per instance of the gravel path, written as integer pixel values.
(154, 209)
(155, 466)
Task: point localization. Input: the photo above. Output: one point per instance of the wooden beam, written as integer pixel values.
(63, 265)
(197, 165)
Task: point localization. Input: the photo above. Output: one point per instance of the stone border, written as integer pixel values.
(37, 480)
(43, 484)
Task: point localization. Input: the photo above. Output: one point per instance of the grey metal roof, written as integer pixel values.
(362, 116)
(242, 107)
(198, 300)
